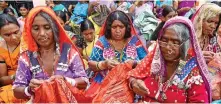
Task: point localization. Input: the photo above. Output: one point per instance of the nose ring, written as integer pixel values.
(170, 51)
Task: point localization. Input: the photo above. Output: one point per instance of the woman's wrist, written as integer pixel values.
(71, 81)
(131, 81)
(97, 66)
(134, 64)
(28, 91)
(12, 77)
(101, 65)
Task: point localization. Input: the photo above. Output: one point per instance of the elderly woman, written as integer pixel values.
(9, 53)
(205, 22)
(172, 73)
(118, 44)
(47, 55)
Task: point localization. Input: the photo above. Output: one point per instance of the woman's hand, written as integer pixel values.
(52, 78)
(34, 83)
(139, 87)
(111, 63)
(133, 63)
(208, 55)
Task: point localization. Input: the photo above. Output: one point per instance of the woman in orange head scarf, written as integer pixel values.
(46, 54)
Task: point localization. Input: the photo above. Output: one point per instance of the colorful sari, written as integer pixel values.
(190, 81)
(214, 68)
(68, 64)
(206, 11)
(6, 95)
(103, 51)
(88, 50)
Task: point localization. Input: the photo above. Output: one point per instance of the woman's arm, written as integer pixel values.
(4, 78)
(79, 78)
(97, 66)
(19, 92)
(22, 80)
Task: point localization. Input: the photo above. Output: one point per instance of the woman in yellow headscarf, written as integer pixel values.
(90, 38)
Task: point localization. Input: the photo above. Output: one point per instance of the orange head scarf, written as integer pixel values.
(28, 43)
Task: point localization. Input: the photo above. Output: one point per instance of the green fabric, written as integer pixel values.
(146, 22)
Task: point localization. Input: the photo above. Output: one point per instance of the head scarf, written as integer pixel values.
(27, 41)
(152, 64)
(206, 11)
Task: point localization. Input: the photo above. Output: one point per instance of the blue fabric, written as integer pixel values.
(192, 63)
(97, 53)
(216, 102)
(59, 7)
(79, 13)
(165, 2)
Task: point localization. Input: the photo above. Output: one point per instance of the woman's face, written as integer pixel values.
(3, 4)
(42, 32)
(88, 35)
(210, 25)
(23, 11)
(118, 30)
(170, 15)
(11, 34)
(170, 45)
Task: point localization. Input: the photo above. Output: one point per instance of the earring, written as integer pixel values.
(35, 54)
(57, 48)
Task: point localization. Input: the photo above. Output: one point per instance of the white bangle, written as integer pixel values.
(71, 81)
(26, 92)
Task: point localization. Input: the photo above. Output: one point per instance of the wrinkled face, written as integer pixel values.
(11, 34)
(23, 11)
(88, 35)
(170, 15)
(117, 30)
(170, 45)
(210, 25)
(61, 21)
(42, 32)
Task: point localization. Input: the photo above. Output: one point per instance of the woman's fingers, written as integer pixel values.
(208, 53)
(139, 91)
(142, 86)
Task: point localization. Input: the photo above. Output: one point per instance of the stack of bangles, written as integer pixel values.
(71, 81)
(97, 66)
